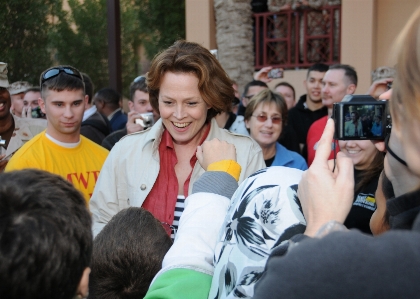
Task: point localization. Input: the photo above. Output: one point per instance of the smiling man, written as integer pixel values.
(61, 149)
(339, 80)
(309, 108)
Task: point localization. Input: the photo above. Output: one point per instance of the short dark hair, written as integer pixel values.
(33, 89)
(45, 235)
(349, 72)
(62, 81)
(287, 85)
(253, 83)
(214, 83)
(89, 87)
(127, 254)
(138, 84)
(317, 67)
(109, 96)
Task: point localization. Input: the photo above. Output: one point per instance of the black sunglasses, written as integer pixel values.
(54, 72)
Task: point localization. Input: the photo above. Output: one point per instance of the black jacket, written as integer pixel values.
(301, 118)
(96, 127)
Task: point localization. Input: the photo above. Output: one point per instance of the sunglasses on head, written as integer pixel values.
(54, 72)
(139, 78)
(263, 118)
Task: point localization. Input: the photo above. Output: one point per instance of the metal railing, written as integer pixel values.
(297, 38)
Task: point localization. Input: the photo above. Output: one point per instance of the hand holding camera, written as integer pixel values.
(139, 121)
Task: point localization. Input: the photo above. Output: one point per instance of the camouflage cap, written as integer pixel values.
(383, 72)
(18, 87)
(4, 82)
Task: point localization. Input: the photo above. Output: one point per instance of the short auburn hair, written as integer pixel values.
(214, 84)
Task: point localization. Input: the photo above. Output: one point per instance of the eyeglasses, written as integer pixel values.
(170, 229)
(388, 149)
(263, 118)
(139, 78)
(54, 72)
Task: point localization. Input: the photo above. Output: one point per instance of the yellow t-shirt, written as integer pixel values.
(79, 165)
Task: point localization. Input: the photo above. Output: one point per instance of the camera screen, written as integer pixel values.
(355, 121)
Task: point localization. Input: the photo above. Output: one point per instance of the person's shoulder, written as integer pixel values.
(235, 138)
(26, 152)
(93, 146)
(318, 124)
(31, 122)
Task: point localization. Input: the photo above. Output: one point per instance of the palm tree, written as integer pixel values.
(234, 39)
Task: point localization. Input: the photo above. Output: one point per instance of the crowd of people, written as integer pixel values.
(199, 192)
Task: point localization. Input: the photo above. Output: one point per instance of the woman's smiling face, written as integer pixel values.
(362, 152)
(266, 132)
(182, 108)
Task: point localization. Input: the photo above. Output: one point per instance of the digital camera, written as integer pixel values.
(361, 117)
(147, 120)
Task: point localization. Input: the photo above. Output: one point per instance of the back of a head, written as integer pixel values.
(214, 84)
(89, 87)
(253, 83)
(317, 67)
(59, 78)
(109, 96)
(45, 236)
(349, 72)
(127, 254)
(138, 83)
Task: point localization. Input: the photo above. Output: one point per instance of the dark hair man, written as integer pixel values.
(288, 92)
(14, 131)
(127, 254)
(95, 126)
(138, 103)
(61, 149)
(339, 80)
(250, 90)
(309, 108)
(45, 237)
(108, 102)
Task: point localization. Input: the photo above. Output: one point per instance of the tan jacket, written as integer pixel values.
(25, 129)
(132, 168)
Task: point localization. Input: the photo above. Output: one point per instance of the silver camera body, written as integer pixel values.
(147, 120)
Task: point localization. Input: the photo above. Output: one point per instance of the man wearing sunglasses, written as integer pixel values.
(139, 104)
(61, 149)
(14, 131)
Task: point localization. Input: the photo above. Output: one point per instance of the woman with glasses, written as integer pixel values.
(265, 118)
(156, 168)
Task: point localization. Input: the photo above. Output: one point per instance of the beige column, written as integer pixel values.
(200, 22)
(358, 24)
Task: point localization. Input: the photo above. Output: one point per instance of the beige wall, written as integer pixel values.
(200, 23)
(369, 28)
(391, 18)
(357, 39)
(294, 77)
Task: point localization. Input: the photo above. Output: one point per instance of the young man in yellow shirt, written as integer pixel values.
(61, 149)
